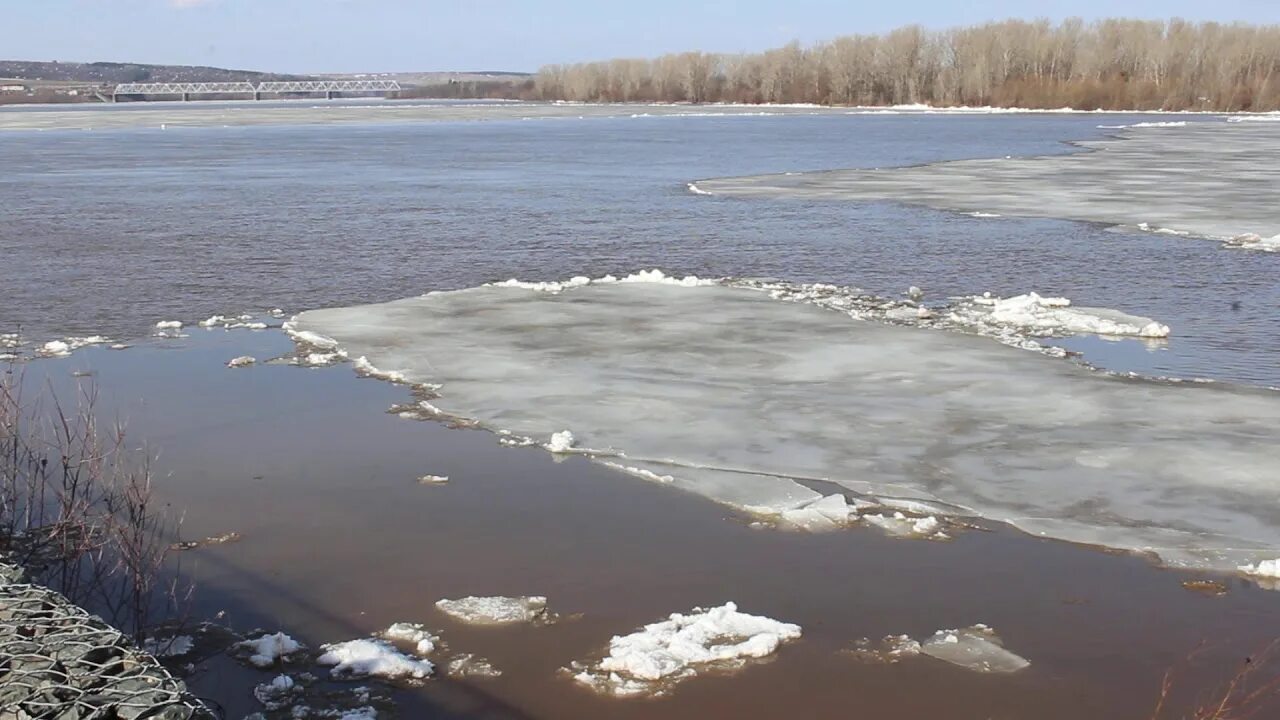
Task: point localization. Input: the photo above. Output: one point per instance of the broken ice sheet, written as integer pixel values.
(655, 657)
(497, 610)
(743, 398)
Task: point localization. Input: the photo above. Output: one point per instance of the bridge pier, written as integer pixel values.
(329, 95)
(257, 95)
(186, 97)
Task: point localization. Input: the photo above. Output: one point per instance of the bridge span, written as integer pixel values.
(330, 88)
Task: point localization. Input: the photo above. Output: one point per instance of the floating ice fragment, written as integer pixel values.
(561, 442)
(433, 479)
(1039, 315)
(169, 325)
(276, 694)
(891, 649)
(267, 650)
(497, 610)
(1262, 569)
(469, 665)
(60, 348)
(900, 525)
(666, 652)
(975, 648)
(375, 658)
(424, 642)
(828, 513)
(242, 361)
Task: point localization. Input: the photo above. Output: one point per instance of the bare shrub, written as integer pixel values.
(77, 510)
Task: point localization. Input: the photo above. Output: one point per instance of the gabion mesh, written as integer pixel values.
(59, 662)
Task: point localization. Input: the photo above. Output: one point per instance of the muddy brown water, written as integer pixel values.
(340, 540)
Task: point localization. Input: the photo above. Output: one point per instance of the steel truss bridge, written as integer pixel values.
(186, 89)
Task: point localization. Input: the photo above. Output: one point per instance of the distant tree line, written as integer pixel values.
(1109, 64)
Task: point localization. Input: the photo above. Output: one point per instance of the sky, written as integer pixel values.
(302, 36)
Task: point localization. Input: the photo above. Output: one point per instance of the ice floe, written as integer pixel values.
(278, 693)
(977, 648)
(1262, 568)
(433, 479)
(561, 442)
(268, 649)
(653, 658)
(373, 658)
(471, 666)
(241, 361)
(423, 640)
(722, 390)
(901, 525)
(66, 346)
(497, 610)
(169, 325)
(235, 322)
(1037, 315)
(1184, 177)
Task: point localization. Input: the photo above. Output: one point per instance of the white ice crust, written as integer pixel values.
(652, 658)
(373, 658)
(267, 650)
(722, 390)
(422, 639)
(1037, 315)
(496, 610)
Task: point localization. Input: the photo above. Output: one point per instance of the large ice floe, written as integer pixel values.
(1209, 179)
(655, 657)
(756, 395)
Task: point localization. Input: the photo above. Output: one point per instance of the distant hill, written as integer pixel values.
(112, 73)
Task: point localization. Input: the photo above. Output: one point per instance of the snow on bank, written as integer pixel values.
(373, 658)
(977, 648)
(267, 650)
(1036, 315)
(497, 610)
(655, 657)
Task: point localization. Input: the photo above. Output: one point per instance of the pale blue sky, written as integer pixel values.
(401, 35)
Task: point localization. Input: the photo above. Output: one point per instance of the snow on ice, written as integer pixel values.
(719, 389)
(651, 659)
(373, 658)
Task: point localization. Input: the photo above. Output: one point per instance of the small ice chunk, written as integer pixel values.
(376, 658)
(469, 665)
(242, 361)
(433, 479)
(561, 442)
(900, 525)
(891, 649)
(676, 649)
(267, 650)
(1263, 569)
(975, 648)
(319, 359)
(497, 610)
(276, 694)
(169, 325)
(424, 642)
(828, 513)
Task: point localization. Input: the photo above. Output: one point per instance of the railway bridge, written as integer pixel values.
(330, 88)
